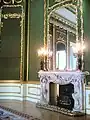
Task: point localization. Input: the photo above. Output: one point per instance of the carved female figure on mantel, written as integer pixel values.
(44, 90)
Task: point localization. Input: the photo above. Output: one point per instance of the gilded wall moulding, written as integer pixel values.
(14, 15)
(18, 16)
(11, 1)
(62, 2)
(65, 0)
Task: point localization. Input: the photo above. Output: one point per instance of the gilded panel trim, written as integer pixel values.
(19, 1)
(19, 82)
(10, 81)
(22, 47)
(12, 1)
(62, 2)
(27, 76)
(10, 6)
(17, 16)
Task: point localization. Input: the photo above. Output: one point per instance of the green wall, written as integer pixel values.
(86, 9)
(10, 51)
(36, 36)
(10, 45)
(87, 33)
(36, 40)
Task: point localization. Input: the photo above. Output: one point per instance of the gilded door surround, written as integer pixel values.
(48, 9)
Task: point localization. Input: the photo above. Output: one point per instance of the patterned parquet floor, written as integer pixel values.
(30, 108)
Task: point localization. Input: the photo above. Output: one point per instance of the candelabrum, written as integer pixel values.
(79, 61)
(43, 54)
(78, 52)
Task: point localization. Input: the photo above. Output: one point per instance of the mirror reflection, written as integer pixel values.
(62, 38)
(60, 56)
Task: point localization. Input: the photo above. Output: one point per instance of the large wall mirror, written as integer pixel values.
(63, 30)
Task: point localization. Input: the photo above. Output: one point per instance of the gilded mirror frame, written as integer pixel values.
(78, 4)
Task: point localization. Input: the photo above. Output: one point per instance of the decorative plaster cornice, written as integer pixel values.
(64, 20)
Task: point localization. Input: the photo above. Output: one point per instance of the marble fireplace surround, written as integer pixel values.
(63, 78)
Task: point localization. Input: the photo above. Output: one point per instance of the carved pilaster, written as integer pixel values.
(54, 48)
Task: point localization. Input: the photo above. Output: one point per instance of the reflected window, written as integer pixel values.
(61, 60)
(73, 59)
(60, 56)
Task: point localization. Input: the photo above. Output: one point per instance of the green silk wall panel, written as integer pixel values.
(51, 2)
(36, 36)
(10, 50)
(10, 44)
(86, 9)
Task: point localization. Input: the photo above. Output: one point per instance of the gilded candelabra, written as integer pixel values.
(78, 52)
(44, 54)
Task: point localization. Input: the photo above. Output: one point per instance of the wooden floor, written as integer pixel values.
(30, 108)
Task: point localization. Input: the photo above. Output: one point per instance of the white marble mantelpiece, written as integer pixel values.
(62, 78)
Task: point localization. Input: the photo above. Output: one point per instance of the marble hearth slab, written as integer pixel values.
(59, 110)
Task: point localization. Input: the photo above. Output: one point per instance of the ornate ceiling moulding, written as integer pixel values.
(64, 20)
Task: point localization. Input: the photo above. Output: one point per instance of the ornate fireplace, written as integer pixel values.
(69, 97)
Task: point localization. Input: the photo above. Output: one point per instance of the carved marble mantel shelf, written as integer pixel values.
(62, 78)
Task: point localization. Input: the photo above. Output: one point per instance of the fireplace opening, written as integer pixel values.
(61, 95)
(53, 93)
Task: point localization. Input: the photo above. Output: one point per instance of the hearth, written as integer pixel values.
(65, 99)
(61, 95)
